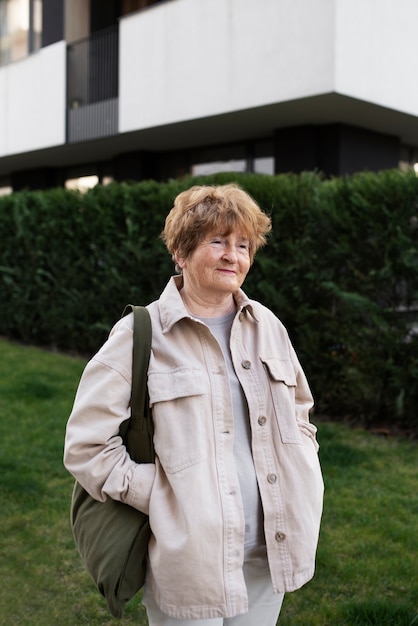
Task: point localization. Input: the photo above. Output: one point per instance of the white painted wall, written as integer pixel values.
(187, 59)
(32, 101)
(376, 52)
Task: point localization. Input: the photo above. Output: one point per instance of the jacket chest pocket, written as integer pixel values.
(282, 382)
(177, 399)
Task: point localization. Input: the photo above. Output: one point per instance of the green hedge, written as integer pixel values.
(340, 270)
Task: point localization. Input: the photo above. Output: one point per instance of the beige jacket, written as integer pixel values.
(192, 493)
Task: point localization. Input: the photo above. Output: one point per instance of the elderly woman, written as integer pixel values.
(235, 494)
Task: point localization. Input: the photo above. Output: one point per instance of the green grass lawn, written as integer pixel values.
(367, 567)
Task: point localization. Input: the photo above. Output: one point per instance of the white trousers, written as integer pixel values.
(264, 605)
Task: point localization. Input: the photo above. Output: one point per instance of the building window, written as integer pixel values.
(263, 165)
(204, 169)
(255, 156)
(83, 183)
(263, 159)
(20, 29)
(5, 190)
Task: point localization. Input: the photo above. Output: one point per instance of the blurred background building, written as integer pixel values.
(99, 90)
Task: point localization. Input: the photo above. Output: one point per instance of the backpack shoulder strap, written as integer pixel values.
(139, 436)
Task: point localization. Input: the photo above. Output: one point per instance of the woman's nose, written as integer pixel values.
(230, 252)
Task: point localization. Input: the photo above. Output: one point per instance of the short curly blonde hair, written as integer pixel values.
(207, 208)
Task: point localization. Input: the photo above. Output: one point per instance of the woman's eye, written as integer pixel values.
(242, 246)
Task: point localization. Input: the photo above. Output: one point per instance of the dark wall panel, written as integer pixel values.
(52, 21)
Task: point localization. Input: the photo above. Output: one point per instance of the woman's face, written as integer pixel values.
(218, 265)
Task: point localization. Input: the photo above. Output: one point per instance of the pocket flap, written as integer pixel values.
(178, 383)
(281, 371)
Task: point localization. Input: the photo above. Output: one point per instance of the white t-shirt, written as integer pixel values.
(254, 534)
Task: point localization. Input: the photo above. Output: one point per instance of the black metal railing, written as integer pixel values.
(92, 68)
(93, 85)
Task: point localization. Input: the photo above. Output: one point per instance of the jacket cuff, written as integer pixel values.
(140, 487)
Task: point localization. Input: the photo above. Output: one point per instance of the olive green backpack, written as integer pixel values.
(112, 537)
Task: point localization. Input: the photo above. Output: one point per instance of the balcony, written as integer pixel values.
(92, 86)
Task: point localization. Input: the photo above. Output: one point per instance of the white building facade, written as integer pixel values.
(134, 89)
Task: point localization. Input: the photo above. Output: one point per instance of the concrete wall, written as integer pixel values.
(32, 101)
(376, 52)
(187, 59)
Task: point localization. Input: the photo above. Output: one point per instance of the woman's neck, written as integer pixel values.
(205, 307)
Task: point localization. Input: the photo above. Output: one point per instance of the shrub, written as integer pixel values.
(340, 270)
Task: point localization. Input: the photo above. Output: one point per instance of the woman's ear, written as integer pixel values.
(180, 261)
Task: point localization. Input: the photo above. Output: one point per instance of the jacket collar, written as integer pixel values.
(172, 308)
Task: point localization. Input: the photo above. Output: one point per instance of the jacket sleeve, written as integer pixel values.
(94, 452)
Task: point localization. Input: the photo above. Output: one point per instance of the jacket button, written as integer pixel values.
(262, 420)
(241, 316)
(246, 365)
(272, 478)
(280, 536)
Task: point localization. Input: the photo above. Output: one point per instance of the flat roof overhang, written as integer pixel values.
(243, 125)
